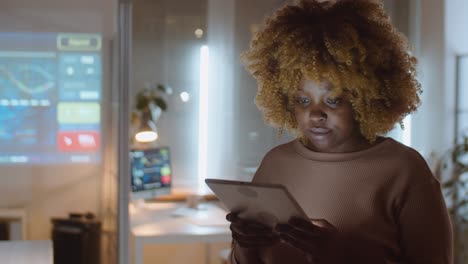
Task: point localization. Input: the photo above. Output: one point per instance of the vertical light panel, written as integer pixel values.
(203, 115)
(407, 131)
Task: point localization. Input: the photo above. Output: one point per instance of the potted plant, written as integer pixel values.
(452, 170)
(150, 103)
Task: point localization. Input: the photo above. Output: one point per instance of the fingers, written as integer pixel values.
(303, 225)
(231, 217)
(297, 239)
(322, 223)
(251, 234)
(302, 229)
(246, 227)
(291, 231)
(309, 236)
(254, 241)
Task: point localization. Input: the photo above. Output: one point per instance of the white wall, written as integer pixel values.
(54, 191)
(456, 34)
(425, 22)
(441, 34)
(429, 122)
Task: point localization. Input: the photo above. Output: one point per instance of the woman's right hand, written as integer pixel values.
(250, 237)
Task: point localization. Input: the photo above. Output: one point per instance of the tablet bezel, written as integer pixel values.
(258, 187)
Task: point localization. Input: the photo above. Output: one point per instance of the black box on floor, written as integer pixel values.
(4, 231)
(76, 239)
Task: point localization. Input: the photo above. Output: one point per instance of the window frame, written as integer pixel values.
(459, 108)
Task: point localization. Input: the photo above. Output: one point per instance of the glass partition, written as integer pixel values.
(57, 133)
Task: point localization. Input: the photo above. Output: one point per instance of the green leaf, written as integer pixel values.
(146, 96)
(142, 102)
(451, 211)
(133, 117)
(161, 103)
(460, 204)
(161, 88)
(448, 192)
(448, 184)
(454, 156)
(445, 166)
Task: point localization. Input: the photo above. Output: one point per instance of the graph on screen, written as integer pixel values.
(50, 98)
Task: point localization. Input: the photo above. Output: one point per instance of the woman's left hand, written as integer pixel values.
(317, 238)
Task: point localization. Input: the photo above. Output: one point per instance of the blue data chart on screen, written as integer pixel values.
(50, 98)
(150, 169)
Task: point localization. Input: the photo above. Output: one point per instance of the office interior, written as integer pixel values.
(81, 66)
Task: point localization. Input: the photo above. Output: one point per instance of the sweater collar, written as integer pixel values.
(321, 156)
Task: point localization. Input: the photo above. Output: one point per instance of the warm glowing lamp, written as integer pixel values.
(147, 131)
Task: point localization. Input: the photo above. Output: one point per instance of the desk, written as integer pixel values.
(156, 223)
(26, 252)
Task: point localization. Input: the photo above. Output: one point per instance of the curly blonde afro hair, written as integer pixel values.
(351, 44)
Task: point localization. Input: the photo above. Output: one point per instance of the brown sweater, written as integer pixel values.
(384, 199)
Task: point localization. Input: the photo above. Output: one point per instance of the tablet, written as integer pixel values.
(266, 203)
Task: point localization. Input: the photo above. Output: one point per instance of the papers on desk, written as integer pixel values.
(208, 215)
(184, 211)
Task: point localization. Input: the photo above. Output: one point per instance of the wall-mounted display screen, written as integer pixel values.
(50, 98)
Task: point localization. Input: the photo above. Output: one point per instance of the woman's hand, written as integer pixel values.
(316, 238)
(250, 238)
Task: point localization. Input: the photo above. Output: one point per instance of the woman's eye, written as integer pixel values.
(333, 101)
(302, 100)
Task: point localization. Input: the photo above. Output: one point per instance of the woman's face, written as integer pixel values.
(328, 123)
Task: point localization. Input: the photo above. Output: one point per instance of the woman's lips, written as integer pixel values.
(319, 133)
(320, 130)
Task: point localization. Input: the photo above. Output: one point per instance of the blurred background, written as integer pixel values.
(79, 79)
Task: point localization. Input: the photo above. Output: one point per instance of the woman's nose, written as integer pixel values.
(316, 114)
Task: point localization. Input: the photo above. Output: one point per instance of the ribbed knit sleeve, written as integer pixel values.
(425, 228)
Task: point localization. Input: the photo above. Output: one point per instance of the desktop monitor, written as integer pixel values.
(151, 172)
